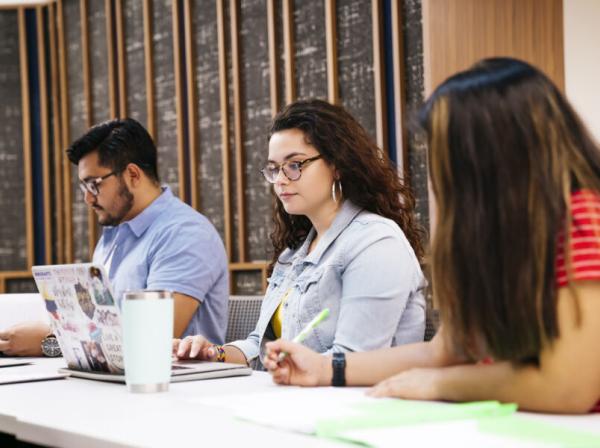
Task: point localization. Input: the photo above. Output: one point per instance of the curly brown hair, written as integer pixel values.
(367, 176)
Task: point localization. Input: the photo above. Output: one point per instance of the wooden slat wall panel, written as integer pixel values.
(179, 100)
(149, 67)
(13, 240)
(237, 131)
(331, 50)
(399, 82)
(110, 57)
(289, 55)
(192, 128)
(121, 70)
(237, 62)
(273, 59)
(380, 132)
(224, 105)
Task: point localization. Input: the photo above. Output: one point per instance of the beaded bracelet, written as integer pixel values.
(220, 353)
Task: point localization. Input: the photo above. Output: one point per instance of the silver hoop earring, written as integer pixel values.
(334, 195)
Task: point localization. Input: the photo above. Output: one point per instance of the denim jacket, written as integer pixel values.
(364, 270)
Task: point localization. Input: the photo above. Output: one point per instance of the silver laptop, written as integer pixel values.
(86, 319)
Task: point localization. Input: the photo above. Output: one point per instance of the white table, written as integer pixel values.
(75, 413)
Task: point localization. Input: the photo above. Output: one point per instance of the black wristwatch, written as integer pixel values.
(50, 347)
(339, 370)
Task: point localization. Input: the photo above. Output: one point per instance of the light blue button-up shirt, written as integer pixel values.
(171, 246)
(364, 270)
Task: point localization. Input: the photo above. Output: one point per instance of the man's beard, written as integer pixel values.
(125, 197)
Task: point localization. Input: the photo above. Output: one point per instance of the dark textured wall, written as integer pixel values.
(15, 286)
(77, 123)
(135, 66)
(13, 244)
(355, 60)
(256, 118)
(310, 50)
(208, 113)
(413, 57)
(164, 79)
(98, 64)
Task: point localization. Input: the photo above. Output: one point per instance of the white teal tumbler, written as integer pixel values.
(147, 340)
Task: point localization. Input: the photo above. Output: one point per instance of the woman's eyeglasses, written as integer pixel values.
(292, 169)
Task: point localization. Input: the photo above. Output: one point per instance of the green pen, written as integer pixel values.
(306, 330)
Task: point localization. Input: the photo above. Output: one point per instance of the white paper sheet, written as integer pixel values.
(12, 362)
(8, 377)
(292, 408)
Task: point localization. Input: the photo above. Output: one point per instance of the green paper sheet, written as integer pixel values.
(391, 413)
(523, 428)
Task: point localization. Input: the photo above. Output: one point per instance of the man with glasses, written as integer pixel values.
(151, 239)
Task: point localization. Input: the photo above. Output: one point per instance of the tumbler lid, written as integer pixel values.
(147, 294)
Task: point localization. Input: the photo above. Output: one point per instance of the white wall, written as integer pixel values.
(582, 59)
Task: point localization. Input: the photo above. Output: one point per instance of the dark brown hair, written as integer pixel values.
(118, 142)
(506, 151)
(368, 178)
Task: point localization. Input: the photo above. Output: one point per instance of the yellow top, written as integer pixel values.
(277, 318)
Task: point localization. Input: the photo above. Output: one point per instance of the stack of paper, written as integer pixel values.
(348, 414)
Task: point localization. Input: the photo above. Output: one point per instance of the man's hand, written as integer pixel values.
(24, 339)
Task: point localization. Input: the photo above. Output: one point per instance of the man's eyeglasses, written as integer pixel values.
(91, 185)
(292, 169)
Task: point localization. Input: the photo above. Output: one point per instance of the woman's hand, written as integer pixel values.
(301, 366)
(194, 347)
(413, 384)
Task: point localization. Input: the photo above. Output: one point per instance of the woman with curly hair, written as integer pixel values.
(515, 256)
(344, 238)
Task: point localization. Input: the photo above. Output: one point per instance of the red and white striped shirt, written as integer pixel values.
(585, 240)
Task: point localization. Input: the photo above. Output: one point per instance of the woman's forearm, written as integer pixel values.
(529, 387)
(234, 355)
(369, 368)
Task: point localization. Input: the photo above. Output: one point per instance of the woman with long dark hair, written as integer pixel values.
(515, 256)
(344, 238)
